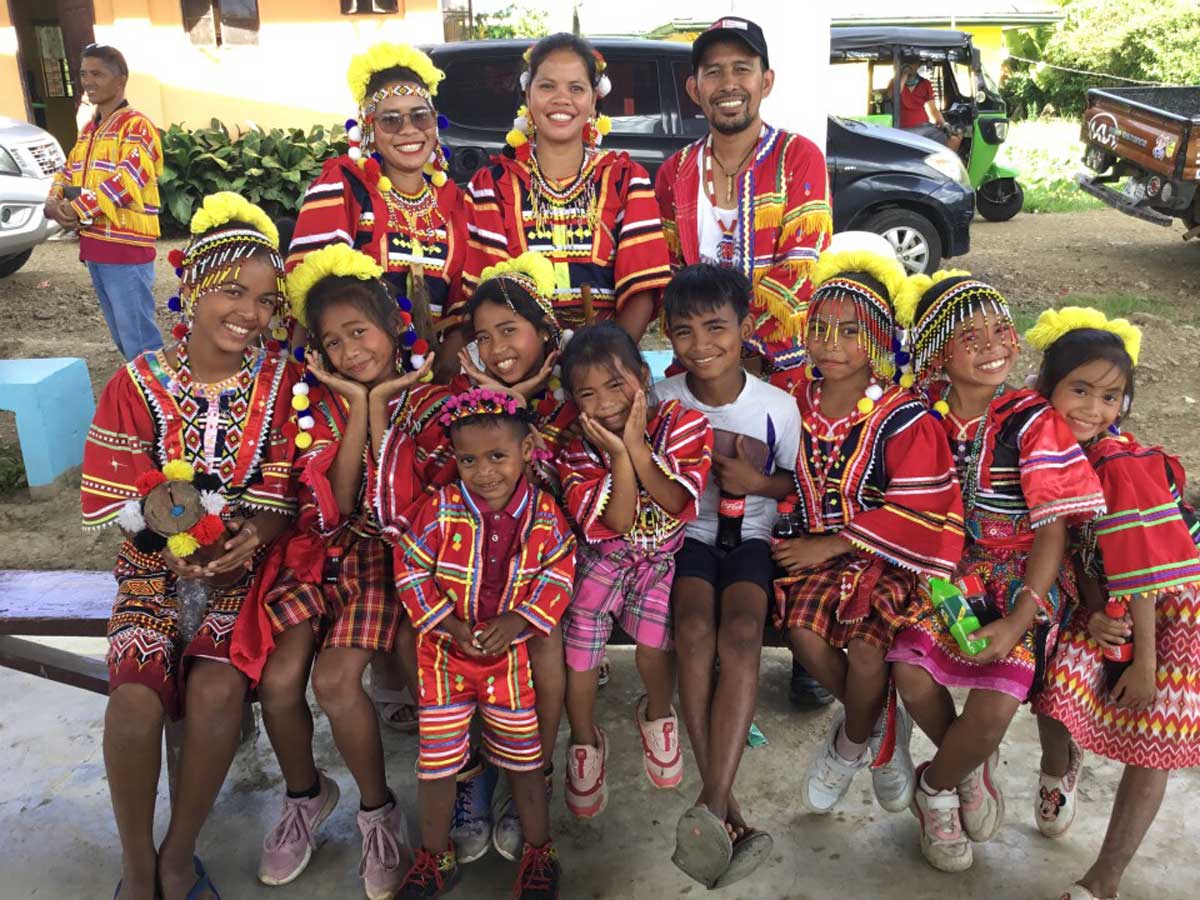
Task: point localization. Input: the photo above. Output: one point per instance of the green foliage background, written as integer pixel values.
(1148, 40)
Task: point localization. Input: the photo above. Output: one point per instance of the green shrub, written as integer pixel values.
(271, 168)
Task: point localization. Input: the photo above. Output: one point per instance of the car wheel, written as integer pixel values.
(10, 264)
(914, 238)
(1000, 199)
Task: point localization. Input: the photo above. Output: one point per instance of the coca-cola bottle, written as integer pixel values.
(1118, 657)
(788, 524)
(729, 521)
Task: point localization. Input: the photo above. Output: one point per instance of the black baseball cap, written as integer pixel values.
(731, 27)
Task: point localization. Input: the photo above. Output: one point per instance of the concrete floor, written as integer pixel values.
(57, 838)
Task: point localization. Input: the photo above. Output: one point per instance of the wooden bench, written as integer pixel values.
(64, 605)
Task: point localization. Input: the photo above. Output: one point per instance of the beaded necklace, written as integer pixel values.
(829, 431)
(547, 198)
(726, 251)
(188, 392)
(970, 463)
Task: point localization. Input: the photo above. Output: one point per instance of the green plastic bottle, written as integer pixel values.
(952, 606)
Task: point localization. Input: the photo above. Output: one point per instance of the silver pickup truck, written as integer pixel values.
(29, 157)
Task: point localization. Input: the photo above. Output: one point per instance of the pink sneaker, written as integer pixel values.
(982, 801)
(943, 843)
(587, 788)
(662, 757)
(385, 853)
(290, 844)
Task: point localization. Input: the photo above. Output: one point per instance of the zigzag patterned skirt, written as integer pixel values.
(1165, 736)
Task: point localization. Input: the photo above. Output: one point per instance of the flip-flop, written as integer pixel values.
(203, 883)
(390, 702)
(703, 849)
(749, 852)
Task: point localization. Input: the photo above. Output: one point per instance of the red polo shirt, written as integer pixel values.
(499, 545)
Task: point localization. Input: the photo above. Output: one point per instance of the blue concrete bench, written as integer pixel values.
(658, 360)
(52, 399)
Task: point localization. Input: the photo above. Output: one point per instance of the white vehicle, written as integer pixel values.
(29, 157)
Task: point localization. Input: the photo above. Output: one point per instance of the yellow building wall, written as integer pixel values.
(12, 96)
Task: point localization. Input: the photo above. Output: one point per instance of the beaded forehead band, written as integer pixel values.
(933, 330)
(874, 315)
(477, 402)
(395, 90)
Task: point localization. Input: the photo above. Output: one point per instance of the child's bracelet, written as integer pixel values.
(1043, 611)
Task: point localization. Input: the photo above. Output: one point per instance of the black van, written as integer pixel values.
(882, 179)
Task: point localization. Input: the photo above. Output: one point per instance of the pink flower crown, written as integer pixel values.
(477, 402)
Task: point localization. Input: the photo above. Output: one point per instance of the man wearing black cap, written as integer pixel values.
(752, 198)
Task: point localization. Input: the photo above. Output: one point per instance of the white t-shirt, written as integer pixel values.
(761, 411)
(710, 228)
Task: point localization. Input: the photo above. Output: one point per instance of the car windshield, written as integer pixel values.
(848, 123)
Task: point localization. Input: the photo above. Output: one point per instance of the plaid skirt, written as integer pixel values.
(355, 605)
(823, 599)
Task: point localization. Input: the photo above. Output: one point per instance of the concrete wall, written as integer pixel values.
(12, 95)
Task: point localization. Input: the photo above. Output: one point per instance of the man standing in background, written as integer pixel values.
(107, 192)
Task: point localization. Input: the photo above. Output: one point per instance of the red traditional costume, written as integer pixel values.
(628, 576)
(602, 229)
(1030, 471)
(149, 414)
(783, 222)
(885, 482)
(441, 566)
(1145, 544)
(404, 235)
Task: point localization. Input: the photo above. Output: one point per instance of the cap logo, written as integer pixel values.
(728, 23)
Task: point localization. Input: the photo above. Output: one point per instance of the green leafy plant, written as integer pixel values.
(270, 168)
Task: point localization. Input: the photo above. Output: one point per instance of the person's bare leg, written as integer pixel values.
(435, 804)
(1138, 800)
(972, 738)
(529, 795)
(929, 704)
(285, 713)
(1056, 746)
(582, 688)
(133, 727)
(739, 647)
(866, 689)
(693, 604)
(211, 729)
(550, 676)
(337, 682)
(657, 668)
(405, 655)
(825, 663)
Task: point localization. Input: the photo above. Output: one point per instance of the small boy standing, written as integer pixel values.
(489, 559)
(724, 570)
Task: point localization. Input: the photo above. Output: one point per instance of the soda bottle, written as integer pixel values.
(952, 606)
(787, 525)
(729, 521)
(1118, 658)
(972, 589)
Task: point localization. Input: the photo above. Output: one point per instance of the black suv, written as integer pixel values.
(881, 178)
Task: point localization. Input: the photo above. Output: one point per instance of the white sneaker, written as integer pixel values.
(895, 781)
(829, 775)
(506, 833)
(943, 843)
(982, 801)
(1054, 803)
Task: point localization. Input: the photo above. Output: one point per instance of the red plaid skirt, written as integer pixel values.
(354, 606)
(822, 599)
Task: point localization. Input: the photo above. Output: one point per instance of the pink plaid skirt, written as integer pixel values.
(613, 581)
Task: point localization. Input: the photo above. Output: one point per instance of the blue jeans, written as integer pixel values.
(126, 293)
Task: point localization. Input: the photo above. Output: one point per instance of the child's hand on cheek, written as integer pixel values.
(635, 425)
(348, 388)
(390, 388)
(500, 633)
(601, 437)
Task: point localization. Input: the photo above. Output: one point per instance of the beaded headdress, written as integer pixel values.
(932, 308)
(215, 254)
(870, 282)
(1052, 324)
(478, 402)
(535, 275)
(361, 131)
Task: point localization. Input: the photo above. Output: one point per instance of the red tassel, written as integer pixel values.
(208, 529)
(289, 430)
(420, 347)
(179, 332)
(148, 481)
(175, 258)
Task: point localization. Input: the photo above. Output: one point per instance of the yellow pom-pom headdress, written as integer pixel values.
(932, 308)
(226, 230)
(869, 281)
(334, 260)
(391, 56)
(535, 274)
(1052, 324)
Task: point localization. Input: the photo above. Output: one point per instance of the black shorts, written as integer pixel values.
(749, 561)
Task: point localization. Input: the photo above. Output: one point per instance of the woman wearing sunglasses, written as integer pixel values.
(389, 195)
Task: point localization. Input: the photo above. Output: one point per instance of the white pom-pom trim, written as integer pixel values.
(521, 124)
(524, 81)
(213, 502)
(300, 388)
(130, 517)
(603, 86)
(417, 360)
(874, 392)
(354, 153)
(565, 339)
(306, 422)
(354, 134)
(560, 395)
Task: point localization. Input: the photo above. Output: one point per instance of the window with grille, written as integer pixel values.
(214, 23)
(369, 7)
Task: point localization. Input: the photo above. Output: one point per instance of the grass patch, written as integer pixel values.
(1046, 154)
(12, 471)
